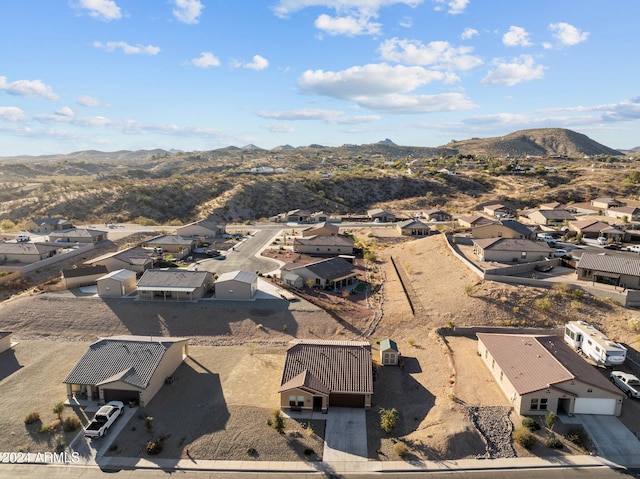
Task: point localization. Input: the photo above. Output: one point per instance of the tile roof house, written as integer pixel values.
(27, 253)
(590, 228)
(381, 215)
(616, 270)
(330, 273)
(538, 374)
(413, 227)
(172, 243)
(125, 368)
(473, 221)
(175, 284)
(503, 229)
(202, 228)
(550, 217)
(321, 229)
(78, 235)
(319, 374)
(236, 285)
(321, 245)
(136, 259)
(631, 213)
(507, 250)
(76, 277)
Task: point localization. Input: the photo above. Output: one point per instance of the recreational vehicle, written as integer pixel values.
(584, 338)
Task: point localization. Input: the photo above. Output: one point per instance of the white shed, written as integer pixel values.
(236, 285)
(117, 283)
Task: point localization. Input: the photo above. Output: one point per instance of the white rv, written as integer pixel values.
(584, 338)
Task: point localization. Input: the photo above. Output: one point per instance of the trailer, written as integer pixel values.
(586, 339)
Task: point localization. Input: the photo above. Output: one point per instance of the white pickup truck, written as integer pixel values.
(629, 383)
(103, 419)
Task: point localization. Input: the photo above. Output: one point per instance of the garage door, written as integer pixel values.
(346, 400)
(121, 395)
(595, 406)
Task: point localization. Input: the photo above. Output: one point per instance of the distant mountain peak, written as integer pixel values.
(250, 147)
(386, 141)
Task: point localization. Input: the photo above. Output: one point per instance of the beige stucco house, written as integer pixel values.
(506, 250)
(175, 244)
(549, 217)
(77, 235)
(5, 341)
(473, 221)
(615, 270)
(330, 273)
(76, 277)
(46, 225)
(319, 374)
(135, 259)
(241, 285)
(413, 228)
(174, 284)
(27, 253)
(381, 215)
(321, 229)
(203, 228)
(117, 283)
(321, 245)
(539, 374)
(503, 229)
(125, 368)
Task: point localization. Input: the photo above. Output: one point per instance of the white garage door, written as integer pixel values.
(595, 406)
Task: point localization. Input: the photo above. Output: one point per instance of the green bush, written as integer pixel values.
(577, 293)
(524, 437)
(71, 424)
(542, 304)
(277, 421)
(388, 418)
(578, 436)
(32, 418)
(550, 419)
(154, 447)
(553, 442)
(531, 424)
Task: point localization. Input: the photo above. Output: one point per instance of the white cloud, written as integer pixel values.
(469, 33)
(28, 88)
(516, 37)
(327, 116)
(188, 11)
(128, 49)
(65, 111)
(441, 54)
(347, 25)
(406, 22)
(522, 68)
(567, 34)
(455, 7)
(278, 128)
(89, 101)
(206, 60)
(625, 110)
(101, 9)
(258, 63)
(12, 113)
(285, 7)
(396, 103)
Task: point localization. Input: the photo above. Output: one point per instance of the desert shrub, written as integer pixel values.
(44, 428)
(542, 304)
(400, 449)
(276, 421)
(578, 436)
(388, 418)
(251, 451)
(550, 419)
(531, 424)
(468, 289)
(634, 324)
(308, 430)
(553, 442)
(58, 410)
(71, 424)
(561, 288)
(148, 422)
(32, 417)
(524, 437)
(577, 294)
(154, 447)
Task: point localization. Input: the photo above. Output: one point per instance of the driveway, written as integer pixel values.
(612, 439)
(345, 435)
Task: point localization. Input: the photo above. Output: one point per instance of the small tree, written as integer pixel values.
(550, 419)
(58, 409)
(388, 418)
(310, 283)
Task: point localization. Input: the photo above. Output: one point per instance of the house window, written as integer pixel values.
(538, 404)
(292, 401)
(493, 363)
(523, 254)
(543, 404)
(534, 404)
(318, 281)
(486, 353)
(300, 401)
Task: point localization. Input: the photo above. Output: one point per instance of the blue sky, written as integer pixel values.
(205, 74)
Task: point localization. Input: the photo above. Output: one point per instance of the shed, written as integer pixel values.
(389, 354)
(117, 283)
(236, 285)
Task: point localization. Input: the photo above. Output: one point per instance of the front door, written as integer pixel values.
(317, 403)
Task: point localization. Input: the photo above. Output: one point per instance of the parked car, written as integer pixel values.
(22, 238)
(614, 246)
(601, 240)
(104, 419)
(628, 383)
(635, 248)
(560, 253)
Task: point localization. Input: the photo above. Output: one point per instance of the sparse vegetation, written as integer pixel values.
(550, 419)
(578, 436)
(276, 421)
(401, 449)
(154, 447)
(531, 424)
(524, 437)
(542, 304)
(388, 418)
(71, 424)
(58, 409)
(32, 418)
(553, 442)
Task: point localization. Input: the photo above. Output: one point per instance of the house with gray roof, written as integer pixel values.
(125, 368)
(550, 217)
(173, 243)
(413, 227)
(46, 225)
(323, 245)
(136, 259)
(321, 229)
(236, 285)
(78, 235)
(503, 229)
(330, 273)
(592, 228)
(436, 215)
(541, 374)
(381, 215)
(116, 284)
(205, 228)
(319, 374)
(507, 250)
(174, 284)
(27, 253)
(630, 213)
(616, 270)
(76, 277)
(473, 221)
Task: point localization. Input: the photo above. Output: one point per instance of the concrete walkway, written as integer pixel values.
(345, 435)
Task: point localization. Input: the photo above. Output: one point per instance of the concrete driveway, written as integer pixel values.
(613, 440)
(345, 435)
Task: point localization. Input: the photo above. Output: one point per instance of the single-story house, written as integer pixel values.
(381, 215)
(507, 250)
(324, 245)
(331, 273)
(172, 244)
(319, 217)
(473, 221)
(606, 203)
(27, 253)
(541, 374)
(413, 228)
(591, 228)
(203, 228)
(135, 259)
(318, 374)
(631, 213)
(616, 270)
(298, 216)
(175, 284)
(5, 341)
(117, 283)
(77, 235)
(554, 205)
(76, 277)
(321, 229)
(503, 229)
(550, 217)
(389, 354)
(125, 368)
(436, 215)
(46, 225)
(236, 285)
(497, 209)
